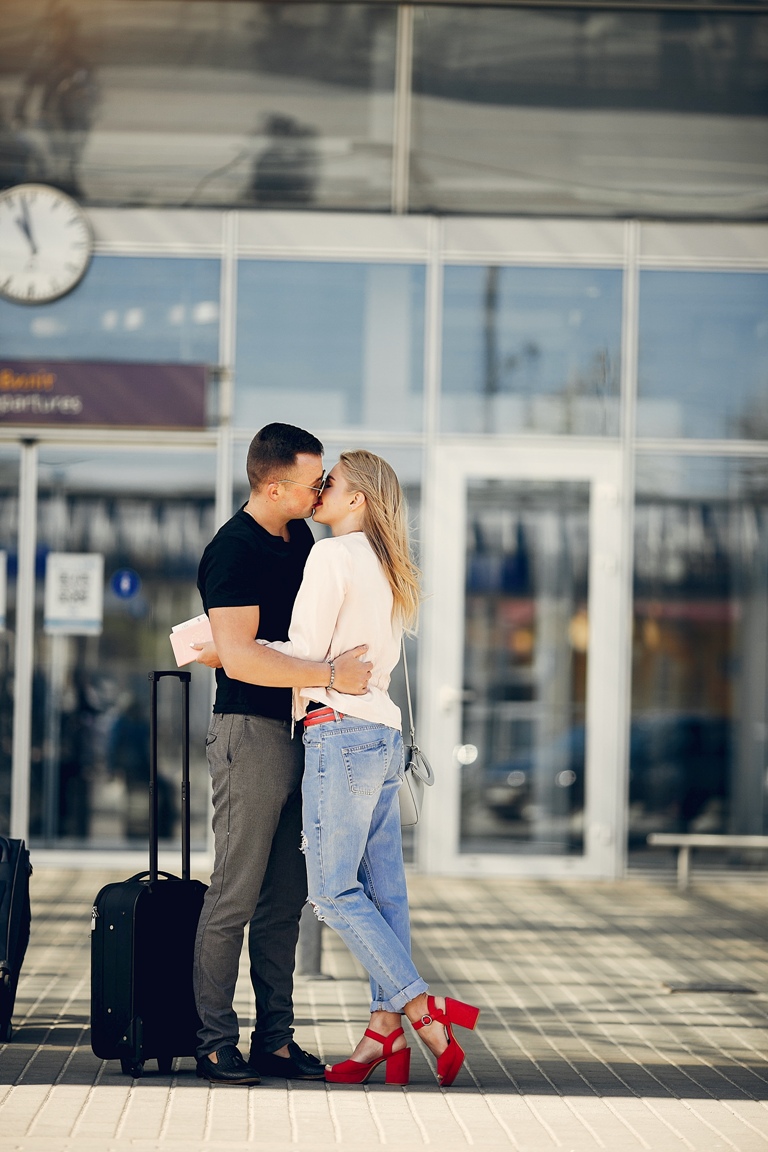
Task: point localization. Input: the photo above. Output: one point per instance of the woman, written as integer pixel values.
(361, 586)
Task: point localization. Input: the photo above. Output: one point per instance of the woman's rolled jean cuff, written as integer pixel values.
(399, 1001)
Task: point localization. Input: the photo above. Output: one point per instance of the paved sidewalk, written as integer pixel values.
(580, 1045)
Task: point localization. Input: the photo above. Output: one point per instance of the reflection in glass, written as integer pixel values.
(187, 102)
(699, 744)
(531, 349)
(330, 345)
(703, 355)
(9, 487)
(90, 707)
(589, 112)
(57, 100)
(147, 309)
(525, 659)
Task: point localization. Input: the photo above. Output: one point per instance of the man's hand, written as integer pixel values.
(207, 654)
(352, 673)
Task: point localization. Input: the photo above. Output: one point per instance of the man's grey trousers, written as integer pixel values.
(259, 877)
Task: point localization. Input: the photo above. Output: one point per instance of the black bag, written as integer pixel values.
(142, 942)
(15, 919)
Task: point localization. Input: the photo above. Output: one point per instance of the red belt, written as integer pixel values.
(322, 716)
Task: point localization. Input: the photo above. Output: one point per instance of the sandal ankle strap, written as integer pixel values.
(432, 1014)
(387, 1041)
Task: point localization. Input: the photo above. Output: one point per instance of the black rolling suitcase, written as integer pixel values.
(15, 918)
(142, 942)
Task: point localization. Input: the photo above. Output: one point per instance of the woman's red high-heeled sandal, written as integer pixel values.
(456, 1012)
(357, 1072)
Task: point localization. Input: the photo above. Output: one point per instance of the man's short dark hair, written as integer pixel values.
(274, 449)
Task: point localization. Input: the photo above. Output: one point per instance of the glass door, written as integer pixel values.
(526, 724)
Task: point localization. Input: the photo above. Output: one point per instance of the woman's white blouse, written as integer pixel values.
(345, 600)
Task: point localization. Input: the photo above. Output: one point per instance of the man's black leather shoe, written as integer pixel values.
(300, 1065)
(229, 1069)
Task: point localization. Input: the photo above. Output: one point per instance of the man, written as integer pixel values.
(248, 579)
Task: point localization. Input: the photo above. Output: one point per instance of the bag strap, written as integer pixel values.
(419, 763)
(408, 692)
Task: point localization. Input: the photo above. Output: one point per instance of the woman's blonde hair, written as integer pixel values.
(385, 524)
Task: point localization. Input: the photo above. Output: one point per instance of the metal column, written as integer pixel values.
(25, 637)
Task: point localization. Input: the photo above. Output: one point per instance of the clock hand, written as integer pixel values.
(23, 222)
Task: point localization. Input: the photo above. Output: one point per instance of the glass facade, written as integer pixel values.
(517, 351)
(531, 350)
(154, 310)
(699, 687)
(587, 112)
(192, 103)
(426, 231)
(703, 361)
(531, 110)
(340, 344)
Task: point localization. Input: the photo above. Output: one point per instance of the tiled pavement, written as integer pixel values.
(580, 1045)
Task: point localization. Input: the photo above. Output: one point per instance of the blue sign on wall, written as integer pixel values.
(125, 583)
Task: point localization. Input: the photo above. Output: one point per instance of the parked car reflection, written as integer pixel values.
(678, 776)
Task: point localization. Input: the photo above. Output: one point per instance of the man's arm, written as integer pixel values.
(243, 658)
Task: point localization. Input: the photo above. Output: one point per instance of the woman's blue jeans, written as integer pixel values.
(352, 840)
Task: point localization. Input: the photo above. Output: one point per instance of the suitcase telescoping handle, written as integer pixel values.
(185, 678)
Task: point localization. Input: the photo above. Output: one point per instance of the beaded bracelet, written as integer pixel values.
(333, 676)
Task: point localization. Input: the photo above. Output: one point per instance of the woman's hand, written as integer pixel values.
(207, 654)
(352, 672)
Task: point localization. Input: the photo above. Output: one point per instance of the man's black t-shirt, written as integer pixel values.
(244, 565)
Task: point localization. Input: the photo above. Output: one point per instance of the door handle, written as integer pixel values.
(448, 696)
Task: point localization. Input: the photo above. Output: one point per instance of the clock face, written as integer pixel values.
(45, 243)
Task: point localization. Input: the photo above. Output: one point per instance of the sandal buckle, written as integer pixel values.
(427, 1019)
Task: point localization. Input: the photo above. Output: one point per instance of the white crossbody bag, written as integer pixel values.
(418, 771)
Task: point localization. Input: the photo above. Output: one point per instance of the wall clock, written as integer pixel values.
(46, 243)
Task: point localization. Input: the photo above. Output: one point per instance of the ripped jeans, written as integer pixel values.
(353, 846)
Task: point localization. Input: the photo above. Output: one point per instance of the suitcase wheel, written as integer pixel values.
(165, 1065)
(132, 1068)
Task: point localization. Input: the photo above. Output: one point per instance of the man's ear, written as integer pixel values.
(271, 490)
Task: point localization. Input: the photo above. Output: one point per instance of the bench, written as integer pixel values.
(684, 841)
